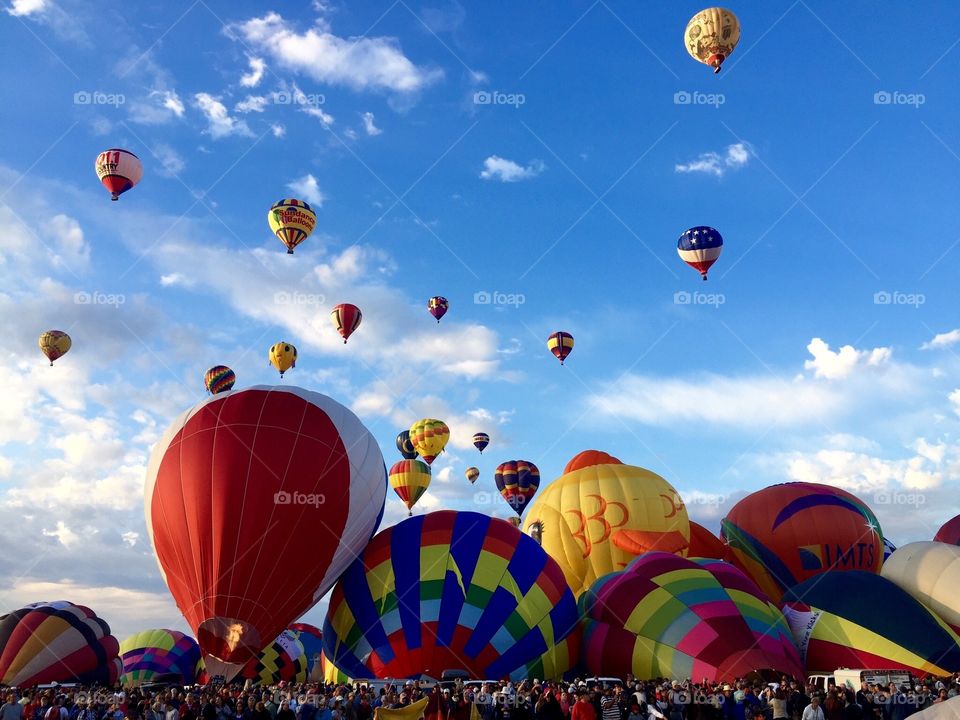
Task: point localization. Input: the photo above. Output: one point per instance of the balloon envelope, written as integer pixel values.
(517, 481)
(151, 654)
(311, 637)
(118, 170)
(480, 441)
(560, 344)
(405, 445)
(346, 319)
(292, 221)
(283, 356)
(429, 438)
(930, 572)
(283, 660)
(704, 544)
(699, 247)
(949, 532)
(450, 590)
(54, 344)
(410, 480)
(711, 36)
(438, 306)
(219, 379)
(247, 477)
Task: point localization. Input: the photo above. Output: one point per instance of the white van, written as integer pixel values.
(852, 679)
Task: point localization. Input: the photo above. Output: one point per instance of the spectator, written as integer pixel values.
(813, 711)
(284, 712)
(583, 709)
(11, 709)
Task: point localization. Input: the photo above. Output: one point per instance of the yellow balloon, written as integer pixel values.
(429, 437)
(711, 36)
(600, 514)
(410, 480)
(54, 344)
(291, 221)
(472, 474)
(283, 356)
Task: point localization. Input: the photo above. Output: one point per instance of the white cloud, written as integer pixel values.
(25, 8)
(713, 163)
(71, 249)
(369, 125)
(278, 130)
(306, 188)
(130, 538)
(942, 340)
(252, 78)
(840, 364)
(325, 118)
(251, 103)
(158, 107)
(219, 122)
(498, 168)
(954, 398)
(170, 100)
(361, 63)
(63, 534)
(173, 279)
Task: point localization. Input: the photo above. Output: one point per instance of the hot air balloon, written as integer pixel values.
(332, 675)
(156, 655)
(54, 344)
(410, 480)
(561, 345)
(472, 474)
(711, 36)
(888, 549)
(784, 534)
(291, 221)
(283, 356)
(283, 660)
(480, 441)
(311, 637)
(699, 247)
(295, 475)
(346, 319)
(930, 572)
(450, 590)
(118, 170)
(949, 532)
(429, 438)
(56, 641)
(704, 544)
(220, 378)
(517, 481)
(858, 619)
(405, 445)
(438, 307)
(600, 514)
(665, 616)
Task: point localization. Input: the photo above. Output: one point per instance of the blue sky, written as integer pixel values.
(826, 152)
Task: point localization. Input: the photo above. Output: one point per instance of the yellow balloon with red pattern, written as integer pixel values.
(601, 514)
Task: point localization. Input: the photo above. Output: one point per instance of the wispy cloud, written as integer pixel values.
(713, 163)
(369, 125)
(307, 188)
(252, 78)
(942, 340)
(219, 122)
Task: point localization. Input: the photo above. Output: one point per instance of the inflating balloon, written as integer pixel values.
(665, 616)
(480, 441)
(56, 642)
(294, 475)
(410, 480)
(429, 438)
(704, 544)
(283, 356)
(472, 474)
(118, 170)
(311, 638)
(346, 318)
(949, 532)
(930, 572)
(152, 655)
(711, 36)
(291, 221)
(517, 481)
(54, 344)
(405, 445)
(858, 619)
(283, 660)
(219, 379)
(601, 514)
(784, 534)
(561, 345)
(699, 247)
(438, 307)
(450, 590)
(332, 674)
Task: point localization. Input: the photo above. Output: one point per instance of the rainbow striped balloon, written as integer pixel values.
(151, 653)
(219, 379)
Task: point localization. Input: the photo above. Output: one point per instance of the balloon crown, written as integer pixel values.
(589, 458)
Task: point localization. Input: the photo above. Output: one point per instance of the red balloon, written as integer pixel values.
(256, 502)
(704, 544)
(346, 318)
(949, 532)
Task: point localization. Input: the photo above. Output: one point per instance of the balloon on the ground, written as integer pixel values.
(291, 221)
(283, 660)
(888, 549)
(699, 247)
(405, 445)
(346, 319)
(333, 674)
(283, 356)
(410, 480)
(949, 532)
(560, 344)
(480, 441)
(118, 170)
(472, 474)
(311, 637)
(711, 36)
(666, 616)
(517, 481)
(450, 590)
(429, 438)
(54, 344)
(159, 655)
(219, 379)
(438, 306)
(786, 533)
(601, 514)
(704, 544)
(58, 641)
(859, 619)
(930, 572)
(245, 478)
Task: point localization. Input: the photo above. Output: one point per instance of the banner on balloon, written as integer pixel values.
(413, 711)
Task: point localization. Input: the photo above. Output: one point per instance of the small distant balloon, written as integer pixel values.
(429, 437)
(560, 344)
(346, 319)
(405, 445)
(438, 306)
(118, 170)
(699, 247)
(410, 480)
(219, 379)
(292, 221)
(711, 36)
(54, 344)
(480, 441)
(283, 356)
(472, 474)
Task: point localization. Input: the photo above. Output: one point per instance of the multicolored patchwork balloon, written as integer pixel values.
(54, 344)
(410, 480)
(560, 344)
(429, 438)
(219, 379)
(284, 660)
(517, 481)
(438, 306)
(292, 221)
(151, 654)
(699, 247)
(311, 637)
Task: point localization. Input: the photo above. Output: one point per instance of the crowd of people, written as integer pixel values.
(527, 700)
